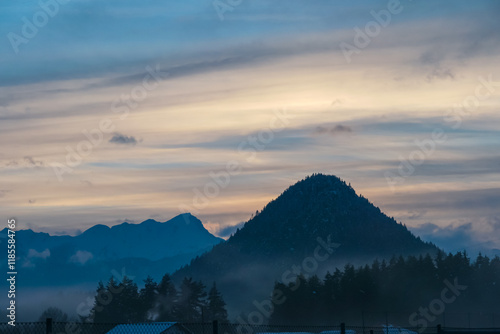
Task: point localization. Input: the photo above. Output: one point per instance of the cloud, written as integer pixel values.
(477, 166)
(440, 73)
(432, 61)
(126, 221)
(478, 236)
(286, 139)
(81, 257)
(415, 214)
(30, 161)
(33, 254)
(337, 129)
(121, 139)
(28, 264)
(478, 200)
(25, 162)
(229, 230)
(337, 102)
(451, 238)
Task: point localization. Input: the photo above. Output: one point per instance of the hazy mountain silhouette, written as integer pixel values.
(149, 248)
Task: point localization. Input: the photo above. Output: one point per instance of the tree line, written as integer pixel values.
(123, 302)
(400, 285)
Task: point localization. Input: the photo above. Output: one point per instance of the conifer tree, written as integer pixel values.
(165, 303)
(147, 298)
(216, 307)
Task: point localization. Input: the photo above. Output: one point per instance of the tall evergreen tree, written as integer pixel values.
(216, 307)
(147, 298)
(116, 303)
(102, 310)
(165, 303)
(127, 301)
(190, 301)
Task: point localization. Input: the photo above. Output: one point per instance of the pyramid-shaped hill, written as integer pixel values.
(298, 230)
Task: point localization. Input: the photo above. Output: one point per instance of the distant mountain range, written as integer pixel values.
(149, 248)
(316, 225)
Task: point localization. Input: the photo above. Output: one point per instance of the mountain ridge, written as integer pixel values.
(150, 247)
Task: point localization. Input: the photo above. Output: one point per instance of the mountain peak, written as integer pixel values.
(99, 228)
(150, 221)
(188, 219)
(316, 203)
(318, 183)
(319, 207)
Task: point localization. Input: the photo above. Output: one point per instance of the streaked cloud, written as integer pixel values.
(337, 129)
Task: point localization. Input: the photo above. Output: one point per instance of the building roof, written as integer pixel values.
(397, 330)
(347, 331)
(285, 333)
(142, 328)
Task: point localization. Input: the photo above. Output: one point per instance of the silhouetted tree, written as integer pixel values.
(216, 307)
(117, 302)
(165, 302)
(147, 297)
(190, 301)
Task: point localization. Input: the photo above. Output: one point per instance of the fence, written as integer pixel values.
(451, 330)
(50, 327)
(446, 319)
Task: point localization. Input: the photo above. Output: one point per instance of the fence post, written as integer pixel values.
(439, 330)
(371, 331)
(363, 320)
(342, 328)
(215, 327)
(48, 326)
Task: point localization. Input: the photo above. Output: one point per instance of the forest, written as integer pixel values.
(401, 286)
(123, 302)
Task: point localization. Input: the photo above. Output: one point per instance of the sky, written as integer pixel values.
(124, 110)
